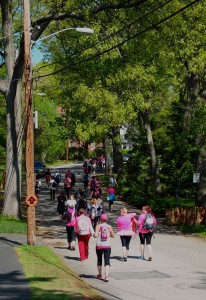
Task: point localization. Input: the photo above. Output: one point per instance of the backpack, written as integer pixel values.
(82, 203)
(93, 212)
(149, 222)
(93, 183)
(54, 184)
(104, 233)
(83, 225)
(111, 197)
(69, 217)
(57, 177)
(61, 206)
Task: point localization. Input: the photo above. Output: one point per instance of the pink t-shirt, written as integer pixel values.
(67, 182)
(72, 220)
(124, 224)
(111, 190)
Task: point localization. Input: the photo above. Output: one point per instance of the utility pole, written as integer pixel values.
(31, 199)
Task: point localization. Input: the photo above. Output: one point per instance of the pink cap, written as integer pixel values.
(103, 217)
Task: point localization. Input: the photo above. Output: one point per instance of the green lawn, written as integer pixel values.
(49, 278)
(10, 225)
(199, 230)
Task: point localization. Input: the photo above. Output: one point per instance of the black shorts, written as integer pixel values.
(125, 239)
(107, 253)
(145, 237)
(71, 235)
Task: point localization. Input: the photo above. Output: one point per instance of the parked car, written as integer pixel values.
(39, 167)
(126, 157)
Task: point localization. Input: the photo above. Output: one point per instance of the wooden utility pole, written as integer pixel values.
(31, 198)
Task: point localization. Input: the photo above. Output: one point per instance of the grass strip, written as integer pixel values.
(49, 278)
(11, 225)
(198, 230)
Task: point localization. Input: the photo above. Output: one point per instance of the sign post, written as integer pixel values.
(196, 180)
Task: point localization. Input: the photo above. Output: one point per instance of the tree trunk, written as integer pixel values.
(117, 151)
(145, 117)
(107, 156)
(12, 194)
(86, 149)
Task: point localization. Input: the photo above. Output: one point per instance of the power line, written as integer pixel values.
(122, 29)
(121, 43)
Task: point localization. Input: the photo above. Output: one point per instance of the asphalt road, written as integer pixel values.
(177, 271)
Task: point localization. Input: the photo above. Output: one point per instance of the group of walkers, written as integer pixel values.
(93, 164)
(84, 219)
(81, 226)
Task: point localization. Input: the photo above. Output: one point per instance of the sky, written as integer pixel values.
(37, 56)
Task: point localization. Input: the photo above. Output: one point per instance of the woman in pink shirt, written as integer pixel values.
(124, 223)
(70, 218)
(146, 230)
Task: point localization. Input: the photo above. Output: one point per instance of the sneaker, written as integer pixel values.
(73, 248)
(99, 276)
(141, 257)
(106, 279)
(124, 258)
(150, 258)
(69, 248)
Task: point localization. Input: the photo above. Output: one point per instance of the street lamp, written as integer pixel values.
(31, 199)
(79, 29)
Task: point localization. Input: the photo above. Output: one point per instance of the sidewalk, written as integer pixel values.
(13, 284)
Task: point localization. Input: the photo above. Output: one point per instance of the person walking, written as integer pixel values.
(47, 177)
(100, 208)
(146, 224)
(93, 185)
(81, 199)
(58, 178)
(73, 179)
(67, 185)
(52, 187)
(103, 233)
(85, 168)
(92, 209)
(71, 202)
(83, 229)
(37, 186)
(111, 196)
(61, 205)
(113, 181)
(124, 224)
(86, 181)
(70, 218)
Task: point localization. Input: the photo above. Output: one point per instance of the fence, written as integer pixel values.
(188, 216)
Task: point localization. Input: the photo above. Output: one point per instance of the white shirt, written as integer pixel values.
(70, 202)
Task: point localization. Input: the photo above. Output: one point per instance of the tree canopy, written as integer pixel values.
(144, 66)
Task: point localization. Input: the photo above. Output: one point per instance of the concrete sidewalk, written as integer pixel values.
(13, 284)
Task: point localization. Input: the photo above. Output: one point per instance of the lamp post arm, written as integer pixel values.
(79, 29)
